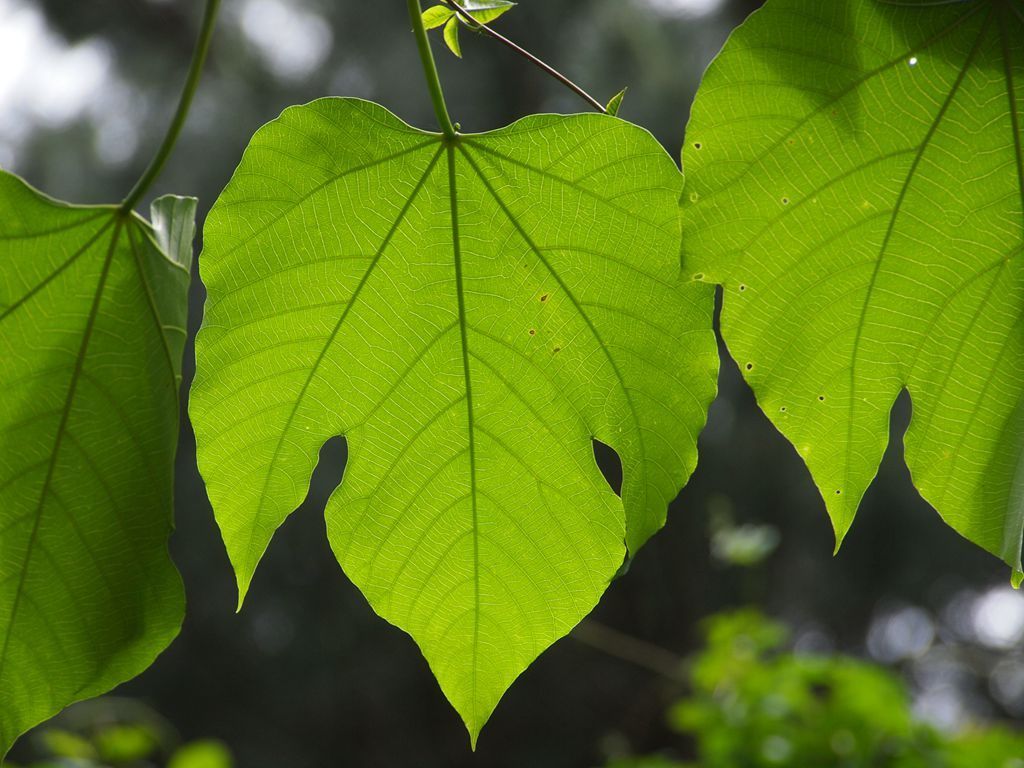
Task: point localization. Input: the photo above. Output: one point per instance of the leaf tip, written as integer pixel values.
(1016, 577)
(474, 711)
(840, 527)
(242, 581)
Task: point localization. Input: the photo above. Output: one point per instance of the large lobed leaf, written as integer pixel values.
(469, 314)
(92, 327)
(856, 182)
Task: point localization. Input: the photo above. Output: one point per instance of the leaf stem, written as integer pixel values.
(195, 69)
(630, 649)
(478, 27)
(430, 69)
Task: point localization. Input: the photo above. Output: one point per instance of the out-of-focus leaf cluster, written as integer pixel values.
(117, 733)
(752, 704)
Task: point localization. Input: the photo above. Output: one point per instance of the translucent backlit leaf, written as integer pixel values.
(470, 315)
(451, 36)
(437, 15)
(857, 185)
(616, 103)
(92, 328)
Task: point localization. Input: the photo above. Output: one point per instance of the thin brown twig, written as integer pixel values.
(631, 649)
(478, 27)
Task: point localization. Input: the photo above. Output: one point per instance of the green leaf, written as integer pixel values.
(126, 743)
(60, 743)
(856, 182)
(436, 16)
(202, 754)
(616, 102)
(92, 328)
(484, 11)
(469, 314)
(451, 36)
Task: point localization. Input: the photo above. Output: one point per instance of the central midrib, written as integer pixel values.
(457, 258)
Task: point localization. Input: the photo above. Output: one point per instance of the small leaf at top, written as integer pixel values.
(436, 16)
(470, 314)
(92, 329)
(484, 11)
(451, 36)
(856, 181)
(616, 102)
(478, 6)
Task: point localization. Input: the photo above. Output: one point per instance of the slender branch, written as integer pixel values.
(478, 27)
(430, 69)
(181, 113)
(639, 652)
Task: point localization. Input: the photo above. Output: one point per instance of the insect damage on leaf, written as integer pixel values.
(871, 197)
(470, 313)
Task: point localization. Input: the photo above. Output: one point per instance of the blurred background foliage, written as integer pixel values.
(754, 705)
(112, 732)
(306, 676)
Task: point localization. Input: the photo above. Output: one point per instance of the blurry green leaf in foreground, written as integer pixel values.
(92, 327)
(126, 743)
(752, 705)
(856, 182)
(202, 754)
(470, 315)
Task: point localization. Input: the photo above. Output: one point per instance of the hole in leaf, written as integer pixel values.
(749, 366)
(329, 469)
(821, 398)
(697, 145)
(533, 331)
(543, 297)
(743, 287)
(610, 464)
(299, 561)
(556, 350)
(785, 201)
